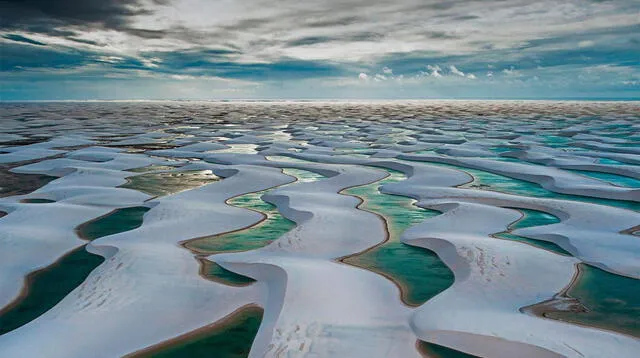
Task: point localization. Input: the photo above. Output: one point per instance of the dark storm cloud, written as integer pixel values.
(86, 42)
(26, 14)
(333, 22)
(355, 37)
(20, 38)
(57, 17)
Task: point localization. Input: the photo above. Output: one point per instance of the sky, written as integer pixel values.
(324, 49)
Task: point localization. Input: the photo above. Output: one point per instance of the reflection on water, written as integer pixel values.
(165, 183)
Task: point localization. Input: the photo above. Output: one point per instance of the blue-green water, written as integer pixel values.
(612, 301)
(117, 221)
(432, 350)
(500, 149)
(37, 201)
(614, 179)
(47, 287)
(271, 228)
(231, 338)
(610, 161)
(214, 272)
(418, 272)
(259, 235)
(533, 218)
(483, 180)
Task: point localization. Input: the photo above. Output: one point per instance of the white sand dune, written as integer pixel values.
(548, 177)
(494, 279)
(145, 273)
(33, 236)
(312, 299)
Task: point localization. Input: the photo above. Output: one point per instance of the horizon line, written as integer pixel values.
(336, 100)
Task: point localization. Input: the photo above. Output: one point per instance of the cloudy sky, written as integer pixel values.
(216, 49)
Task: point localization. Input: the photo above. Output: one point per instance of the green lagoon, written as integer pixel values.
(231, 338)
(612, 301)
(47, 287)
(417, 271)
(117, 221)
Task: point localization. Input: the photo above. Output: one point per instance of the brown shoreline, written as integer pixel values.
(219, 324)
(635, 231)
(152, 196)
(510, 228)
(538, 309)
(29, 278)
(199, 254)
(341, 260)
(203, 262)
(78, 229)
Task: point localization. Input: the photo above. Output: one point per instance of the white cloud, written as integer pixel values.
(454, 70)
(586, 43)
(511, 71)
(363, 76)
(379, 77)
(151, 62)
(471, 76)
(435, 70)
(387, 71)
(109, 59)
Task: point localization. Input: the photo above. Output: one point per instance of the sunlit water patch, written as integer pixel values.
(231, 338)
(238, 148)
(284, 158)
(165, 183)
(151, 168)
(418, 272)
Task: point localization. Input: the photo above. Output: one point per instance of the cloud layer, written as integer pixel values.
(331, 48)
